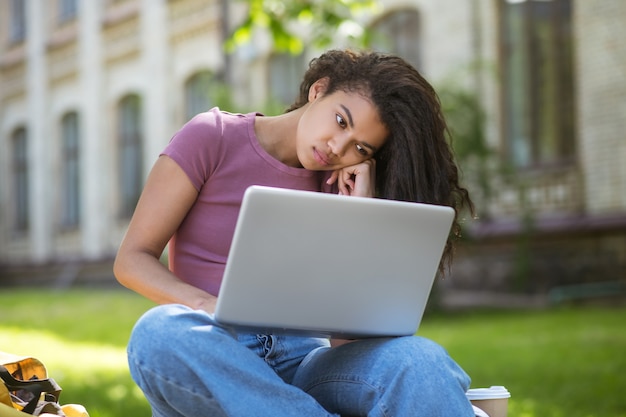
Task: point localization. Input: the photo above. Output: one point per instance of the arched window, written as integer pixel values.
(399, 33)
(70, 214)
(130, 138)
(19, 144)
(285, 75)
(198, 93)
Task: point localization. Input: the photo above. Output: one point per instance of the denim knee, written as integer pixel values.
(386, 376)
(165, 332)
(149, 330)
(419, 355)
(437, 357)
(411, 348)
(408, 358)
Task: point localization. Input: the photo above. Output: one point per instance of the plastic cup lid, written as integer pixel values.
(494, 392)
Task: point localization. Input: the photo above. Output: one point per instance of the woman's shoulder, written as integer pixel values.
(209, 140)
(213, 126)
(222, 118)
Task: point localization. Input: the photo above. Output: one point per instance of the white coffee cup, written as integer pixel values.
(494, 400)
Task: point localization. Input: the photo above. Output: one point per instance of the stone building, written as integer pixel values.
(91, 91)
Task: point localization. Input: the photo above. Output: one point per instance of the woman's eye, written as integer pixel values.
(360, 149)
(341, 121)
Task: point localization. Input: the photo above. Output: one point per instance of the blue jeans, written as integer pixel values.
(187, 365)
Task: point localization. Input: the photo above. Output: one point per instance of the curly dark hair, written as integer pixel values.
(417, 162)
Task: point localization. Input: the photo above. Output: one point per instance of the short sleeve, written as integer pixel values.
(196, 147)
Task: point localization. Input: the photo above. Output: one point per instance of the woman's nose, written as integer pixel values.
(338, 145)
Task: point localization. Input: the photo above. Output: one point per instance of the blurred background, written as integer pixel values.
(534, 92)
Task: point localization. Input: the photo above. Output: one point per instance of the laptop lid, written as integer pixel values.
(330, 265)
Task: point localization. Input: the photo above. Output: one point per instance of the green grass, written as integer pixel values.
(80, 335)
(556, 363)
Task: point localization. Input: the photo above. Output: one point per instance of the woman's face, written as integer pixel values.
(338, 130)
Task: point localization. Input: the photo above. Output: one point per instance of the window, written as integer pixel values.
(130, 153)
(286, 73)
(537, 77)
(399, 33)
(17, 31)
(198, 93)
(66, 10)
(20, 180)
(70, 214)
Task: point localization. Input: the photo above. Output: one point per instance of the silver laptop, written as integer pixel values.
(321, 264)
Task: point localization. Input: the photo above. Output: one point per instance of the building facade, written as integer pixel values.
(91, 91)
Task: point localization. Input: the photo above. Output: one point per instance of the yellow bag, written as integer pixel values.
(27, 390)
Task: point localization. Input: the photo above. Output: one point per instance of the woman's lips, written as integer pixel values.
(320, 158)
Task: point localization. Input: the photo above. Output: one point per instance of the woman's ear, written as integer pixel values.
(318, 88)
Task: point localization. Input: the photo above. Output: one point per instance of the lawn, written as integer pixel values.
(567, 362)
(556, 363)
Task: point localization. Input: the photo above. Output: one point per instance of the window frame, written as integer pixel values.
(195, 101)
(67, 10)
(17, 23)
(388, 35)
(21, 178)
(71, 170)
(130, 153)
(538, 116)
(285, 72)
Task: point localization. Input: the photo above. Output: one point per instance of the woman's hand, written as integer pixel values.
(356, 180)
(338, 342)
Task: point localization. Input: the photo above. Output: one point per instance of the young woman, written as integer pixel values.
(364, 124)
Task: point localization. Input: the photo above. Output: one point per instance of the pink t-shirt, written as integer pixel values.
(221, 155)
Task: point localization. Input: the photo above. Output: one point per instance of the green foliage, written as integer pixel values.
(221, 95)
(466, 122)
(558, 363)
(322, 18)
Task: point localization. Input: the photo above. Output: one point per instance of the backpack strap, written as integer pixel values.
(35, 387)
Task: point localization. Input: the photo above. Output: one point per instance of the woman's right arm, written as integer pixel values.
(166, 198)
